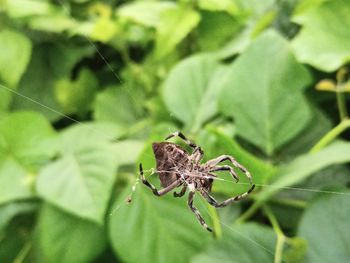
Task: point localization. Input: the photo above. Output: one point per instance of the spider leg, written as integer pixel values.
(183, 137)
(196, 212)
(152, 187)
(183, 191)
(225, 168)
(211, 200)
(197, 153)
(222, 158)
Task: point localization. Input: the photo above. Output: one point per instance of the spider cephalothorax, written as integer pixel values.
(177, 167)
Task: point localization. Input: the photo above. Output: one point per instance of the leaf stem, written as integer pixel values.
(23, 253)
(331, 135)
(343, 113)
(290, 202)
(281, 238)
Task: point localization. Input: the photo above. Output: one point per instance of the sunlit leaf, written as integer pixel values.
(263, 79)
(327, 23)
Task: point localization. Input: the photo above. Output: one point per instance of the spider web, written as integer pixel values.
(152, 171)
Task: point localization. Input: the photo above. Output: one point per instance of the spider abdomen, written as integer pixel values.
(171, 161)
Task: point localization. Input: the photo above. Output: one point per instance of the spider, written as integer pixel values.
(176, 167)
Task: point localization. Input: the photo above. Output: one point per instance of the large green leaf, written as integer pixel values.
(155, 229)
(65, 238)
(325, 226)
(327, 23)
(303, 167)
(191, 88)
(27, 142)
(81, 180)
(247, 243)
(263, 92)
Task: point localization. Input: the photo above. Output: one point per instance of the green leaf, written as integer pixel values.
(215, 29)
(14, 57)
(157, 229)
(247, 243)
(261, 88)
(65, 238)
(77, 96)
(27, 8)
(27, 142)
(191, 88)
(303, 167)
(325, 226)
(81, 180)
(327, 23)
(174, 26)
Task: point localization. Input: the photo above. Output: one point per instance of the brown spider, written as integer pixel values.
(176, 167)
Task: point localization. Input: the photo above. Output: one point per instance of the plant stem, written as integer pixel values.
(331, 135)
(290, 202)
(23, 253)
(281, 238)
(343, 113)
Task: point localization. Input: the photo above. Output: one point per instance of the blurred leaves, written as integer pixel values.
(325, 228)
(326, 23)
(27, 142)
(277, 83)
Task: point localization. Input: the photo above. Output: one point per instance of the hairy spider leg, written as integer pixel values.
(152, 187)
(183, 191)
(211, 200)
(196, 211)
(197, 153)
(222, 158)
(226, 168)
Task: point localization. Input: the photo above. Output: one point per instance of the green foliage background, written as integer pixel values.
(87, 85)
